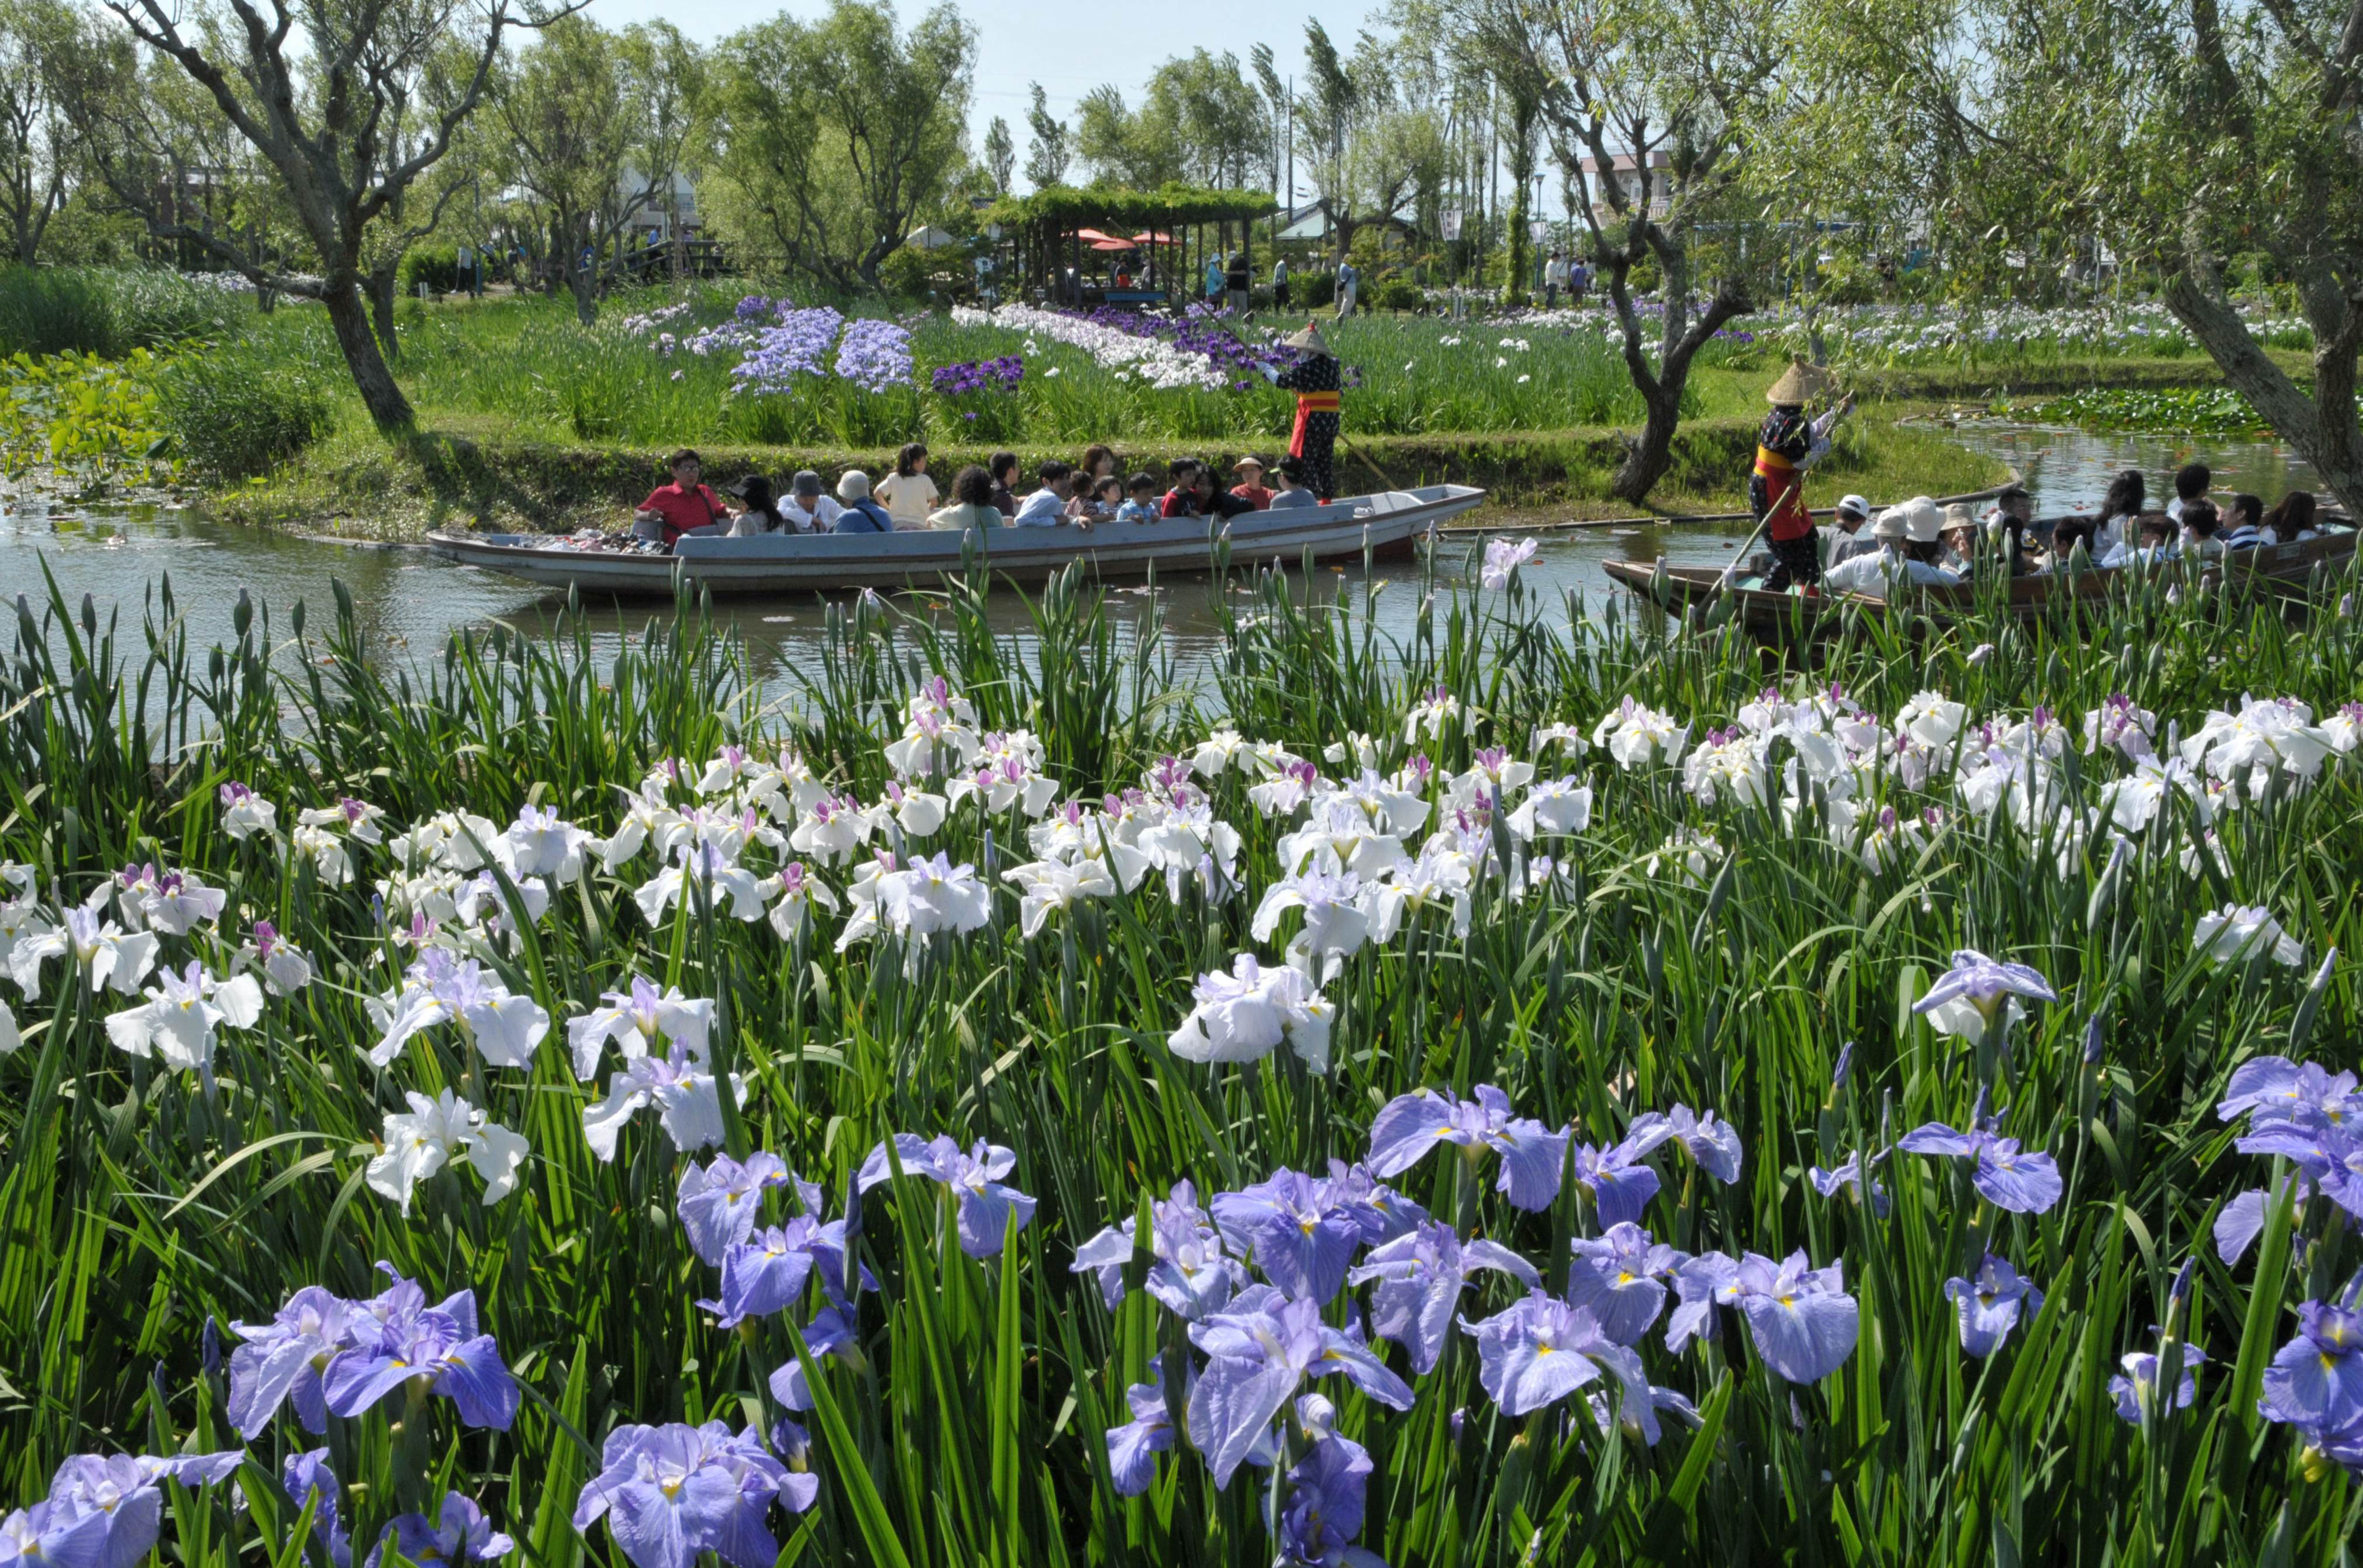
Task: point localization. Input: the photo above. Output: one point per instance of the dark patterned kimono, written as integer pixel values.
(1785, 442)
(1317, 380)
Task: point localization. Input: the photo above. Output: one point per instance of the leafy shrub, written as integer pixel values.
(437, 266)
(1312, 288)
(233, 420)
(905, 273)
(1399, 293)
(109, 310)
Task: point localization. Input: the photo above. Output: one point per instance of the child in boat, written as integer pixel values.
(1099, 505)
(2151, 538)
(1047, 507)
(907, 493)
(2072, 543)
(1142, 507)
(2191, 482)
(2201, 527)
(1181, 500)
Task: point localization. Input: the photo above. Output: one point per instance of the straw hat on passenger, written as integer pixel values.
(1309, 341)
(1800, 384)
(1923, 522)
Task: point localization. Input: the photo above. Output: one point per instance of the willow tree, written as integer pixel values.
(843, 133)
(1651, 108)
(2206, 148)
(348, 103)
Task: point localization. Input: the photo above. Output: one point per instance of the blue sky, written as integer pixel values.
(1069, 47)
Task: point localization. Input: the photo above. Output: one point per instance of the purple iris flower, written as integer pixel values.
(123, 1489)
(1381, 1211)
(306, 1476)
(1410, 1125)
(1802, 1320)
(1258, 1354)
(2330, 1156)
(437, 1344)
(2135, 1391)
(672, 1492)
(459, 1534)
(719, 1202)
(48, 1535)
(2006, 1177)
(2278, 1089)
(2242, 1221)
(1991, 1304)
(985, 1202)
(1976, 989)
(1193, 1274)
(1620, 1185)
(830, 1333)
(1421, 1275)
(1301, 1240)
(1849, 1175)
(2315, 1381)
(1713, 1144)
(1329, 1491)
(1133, 1447)
(1536, 1353)
(1619, 1279)
(767, 1272)
(281, 1360)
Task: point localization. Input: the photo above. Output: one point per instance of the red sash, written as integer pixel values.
(1784, 492)
(1307, 405)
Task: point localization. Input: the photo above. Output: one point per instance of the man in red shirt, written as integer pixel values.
(1251, 486)
(683, 505)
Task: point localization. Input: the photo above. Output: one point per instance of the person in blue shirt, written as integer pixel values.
(1047, 507)
(1143, 507)
(859, 513)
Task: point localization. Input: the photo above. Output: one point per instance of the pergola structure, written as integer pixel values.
(1070, 243)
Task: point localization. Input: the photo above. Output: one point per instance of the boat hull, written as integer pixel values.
(1387, 526)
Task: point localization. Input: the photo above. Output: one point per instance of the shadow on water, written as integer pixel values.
(409, 601)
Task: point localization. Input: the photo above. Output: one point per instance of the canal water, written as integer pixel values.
(409, 599)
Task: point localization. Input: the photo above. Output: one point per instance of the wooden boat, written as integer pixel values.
(1390, 524)
(1774, 616)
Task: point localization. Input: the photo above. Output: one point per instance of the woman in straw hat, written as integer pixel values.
(1315, 381)
(1786, 446)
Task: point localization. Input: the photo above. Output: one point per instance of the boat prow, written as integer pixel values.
(1388, 523)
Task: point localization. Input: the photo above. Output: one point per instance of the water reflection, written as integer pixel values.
(409, 599)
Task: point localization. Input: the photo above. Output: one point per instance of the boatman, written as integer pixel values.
(1786, 446)
(1317, 384)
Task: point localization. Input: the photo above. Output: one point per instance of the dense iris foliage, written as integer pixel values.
(1545, 1089)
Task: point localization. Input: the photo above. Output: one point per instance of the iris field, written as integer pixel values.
(1551, 1090)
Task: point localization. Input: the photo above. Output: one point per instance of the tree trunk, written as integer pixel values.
(380, 283)
(1646, 459)
(349, 316)
(2322, 428)
(584, 282)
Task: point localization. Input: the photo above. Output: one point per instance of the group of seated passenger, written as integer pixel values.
(982, 497)
(1920, 542)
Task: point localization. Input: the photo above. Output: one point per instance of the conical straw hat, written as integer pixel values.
(1309, 340)
(1799, 382)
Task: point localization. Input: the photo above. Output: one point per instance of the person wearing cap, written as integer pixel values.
(762, 512)
(1319, 387)
(1250, 487)
(857, 514)
(1787, 445)
(687, 505)
(1291, 492)
(807, 510)
(1909, 543)
(1848, 535)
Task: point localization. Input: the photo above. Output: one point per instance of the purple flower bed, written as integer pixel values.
(875, 354)
(796, 346)
(980, 375)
